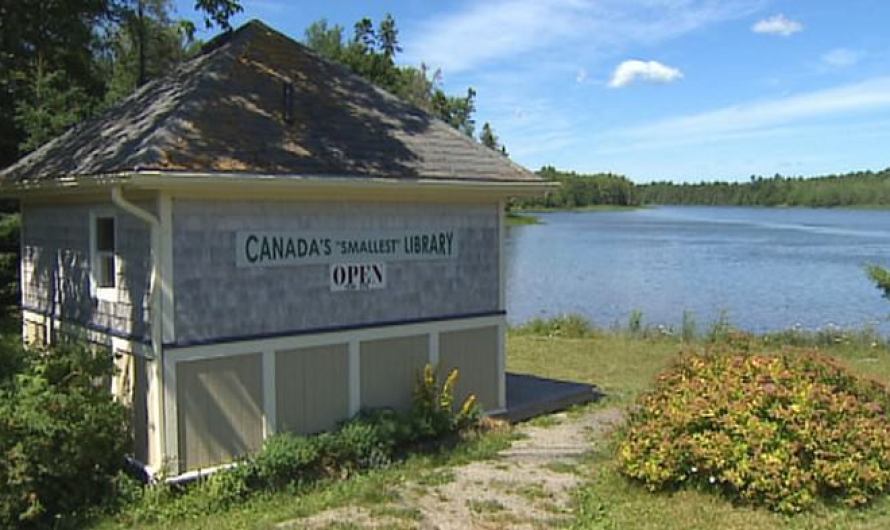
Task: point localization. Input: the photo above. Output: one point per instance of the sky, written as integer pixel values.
(682, 90)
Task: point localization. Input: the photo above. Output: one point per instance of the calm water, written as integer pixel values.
(767, 268)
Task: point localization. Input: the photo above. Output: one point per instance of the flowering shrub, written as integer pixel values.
(780, 431)
(433, 413)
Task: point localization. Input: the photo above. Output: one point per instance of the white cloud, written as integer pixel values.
(581, 77)
(635, 70)
(481, 33)
(760, 117)
(841, 58)
(777, 25)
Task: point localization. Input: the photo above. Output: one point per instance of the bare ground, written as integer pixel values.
(528, 485)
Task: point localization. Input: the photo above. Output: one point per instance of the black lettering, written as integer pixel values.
(313, 248)
(378, 273)
(327, 247)
(352, 274)
(339, 275)
(302, 247)
(277, 247)
(251, 256)
(450, 236)
(265, 252)
(290, 252)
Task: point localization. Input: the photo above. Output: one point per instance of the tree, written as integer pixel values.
(326, 41)
(145, 22)
(371, 53)
(456, 111)
(51, 104)
(490, 140)
(44, 44)
(144, 46)
(60, 60)
(388, 37)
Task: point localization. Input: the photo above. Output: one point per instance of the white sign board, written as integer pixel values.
(357, 276)
(273, 249)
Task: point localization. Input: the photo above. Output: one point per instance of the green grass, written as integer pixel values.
(588, 208)
(623, 367)
(619, 365)
(516, 219)
(369, 490)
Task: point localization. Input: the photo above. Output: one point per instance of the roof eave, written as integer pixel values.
(195, 182)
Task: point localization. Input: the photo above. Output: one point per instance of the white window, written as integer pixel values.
(103, 234)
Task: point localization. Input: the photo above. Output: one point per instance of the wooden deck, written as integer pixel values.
(529, 396)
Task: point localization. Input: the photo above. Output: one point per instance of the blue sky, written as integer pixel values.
(653, 89)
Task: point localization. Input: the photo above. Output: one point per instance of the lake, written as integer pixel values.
(768, 269)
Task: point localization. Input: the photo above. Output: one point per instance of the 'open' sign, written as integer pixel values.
(357, 276)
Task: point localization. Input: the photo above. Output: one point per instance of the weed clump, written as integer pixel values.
(781, 431)
(570, 326)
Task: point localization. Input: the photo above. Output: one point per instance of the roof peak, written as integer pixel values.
(224, 111)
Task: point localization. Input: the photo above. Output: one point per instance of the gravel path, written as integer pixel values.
(528, 485)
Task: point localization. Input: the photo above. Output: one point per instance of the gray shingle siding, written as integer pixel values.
(215, 299)
(56, 268)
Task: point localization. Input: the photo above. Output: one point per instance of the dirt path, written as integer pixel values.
(529, 485)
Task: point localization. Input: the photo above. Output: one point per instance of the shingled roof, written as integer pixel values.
(222, 112)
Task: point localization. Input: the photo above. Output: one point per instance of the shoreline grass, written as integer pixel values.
(588, 208)
(521, 219)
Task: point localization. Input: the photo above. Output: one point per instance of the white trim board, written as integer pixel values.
(209, 351)
(165, 274)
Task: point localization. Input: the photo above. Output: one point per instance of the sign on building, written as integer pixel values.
(272, 249)
(357, 276)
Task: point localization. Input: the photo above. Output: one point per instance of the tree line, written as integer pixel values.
(579, 190)
(862, 188)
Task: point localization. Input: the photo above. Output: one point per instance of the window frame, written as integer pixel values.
(103, 293)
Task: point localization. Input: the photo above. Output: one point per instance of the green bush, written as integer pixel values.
(780, 431)
(360, 444)
(284, 458)
(62, 437)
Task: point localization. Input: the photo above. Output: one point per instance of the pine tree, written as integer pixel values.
(490, 140)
